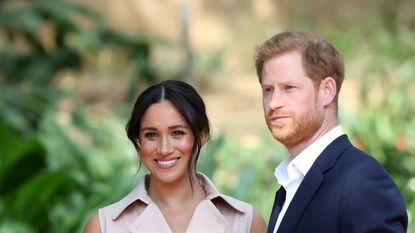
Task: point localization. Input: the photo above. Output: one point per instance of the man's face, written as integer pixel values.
(292, 106)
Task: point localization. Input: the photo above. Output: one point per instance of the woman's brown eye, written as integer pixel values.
(150, 135)
(178, 133)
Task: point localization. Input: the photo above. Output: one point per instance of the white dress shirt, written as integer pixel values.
(290, 172)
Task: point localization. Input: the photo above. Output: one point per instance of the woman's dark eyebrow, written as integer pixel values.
(148, 129)
(178, 126)
(171, 128)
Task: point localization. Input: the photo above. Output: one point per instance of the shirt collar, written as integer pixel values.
(303, 161)
(213, 193)
(139, 193)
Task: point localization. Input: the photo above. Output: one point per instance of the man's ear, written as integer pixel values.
(328, 90)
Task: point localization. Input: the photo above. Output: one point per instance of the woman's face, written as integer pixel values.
(166, 142)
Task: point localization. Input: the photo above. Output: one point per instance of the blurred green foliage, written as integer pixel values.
(51, 173)
(40, 40)
(57, 167)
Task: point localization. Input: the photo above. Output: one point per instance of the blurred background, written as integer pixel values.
(71, 70)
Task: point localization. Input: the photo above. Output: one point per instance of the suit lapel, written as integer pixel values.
(276, 209)
(300, 201)
(311, 182)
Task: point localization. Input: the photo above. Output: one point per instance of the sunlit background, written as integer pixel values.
(71, 70)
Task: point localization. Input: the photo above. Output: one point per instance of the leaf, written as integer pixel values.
(22, 165)
(33, 199)
(15, 227)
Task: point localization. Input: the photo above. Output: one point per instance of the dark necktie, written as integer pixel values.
(278, 201)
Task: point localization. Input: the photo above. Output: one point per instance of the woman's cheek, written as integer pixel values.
(146, 148)
(187, 144)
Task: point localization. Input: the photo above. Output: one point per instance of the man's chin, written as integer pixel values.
(282, 138)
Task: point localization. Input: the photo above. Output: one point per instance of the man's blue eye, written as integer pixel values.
(268, 89)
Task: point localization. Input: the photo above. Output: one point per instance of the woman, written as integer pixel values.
(168, 127)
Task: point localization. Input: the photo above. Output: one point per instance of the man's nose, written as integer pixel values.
(276, 100)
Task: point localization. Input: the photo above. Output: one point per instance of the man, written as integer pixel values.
(327, 185)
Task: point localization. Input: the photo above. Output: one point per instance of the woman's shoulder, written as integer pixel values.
(258, 223)
(237, 203)
(235, 210)
(136, 198)
(213, 194)
(92, 226)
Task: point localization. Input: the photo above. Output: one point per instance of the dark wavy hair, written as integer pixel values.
(187, 101)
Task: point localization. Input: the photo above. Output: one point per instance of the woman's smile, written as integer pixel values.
(166, 164)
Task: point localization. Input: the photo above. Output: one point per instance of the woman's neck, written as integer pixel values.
(176, 193)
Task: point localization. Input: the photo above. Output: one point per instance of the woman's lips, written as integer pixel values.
(167, 163)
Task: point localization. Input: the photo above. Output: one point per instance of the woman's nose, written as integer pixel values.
(165, 146)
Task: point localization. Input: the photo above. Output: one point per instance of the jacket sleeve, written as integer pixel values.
(371, 202)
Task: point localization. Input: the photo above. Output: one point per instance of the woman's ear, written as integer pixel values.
(328, 90)
(205, 136)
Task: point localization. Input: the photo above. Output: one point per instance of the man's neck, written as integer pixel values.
(325, 127)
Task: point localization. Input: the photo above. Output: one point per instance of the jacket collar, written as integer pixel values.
(139, 193)
(312, 182)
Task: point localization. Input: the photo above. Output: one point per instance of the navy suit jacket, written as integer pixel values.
(345, 191)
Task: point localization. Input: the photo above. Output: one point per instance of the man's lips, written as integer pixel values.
(275, 118)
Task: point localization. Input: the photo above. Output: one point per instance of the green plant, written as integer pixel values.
(50, 180)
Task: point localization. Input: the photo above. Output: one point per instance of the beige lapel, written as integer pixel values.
(207, 219)
(151, 220)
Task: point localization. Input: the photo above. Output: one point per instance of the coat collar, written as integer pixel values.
(206, 208)
(312, 182)
(212, 193)
(205, 219)
(139, 193)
